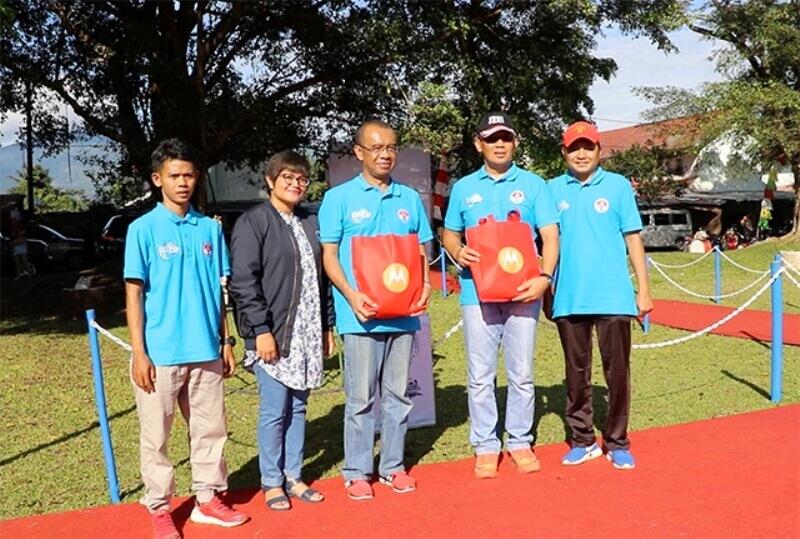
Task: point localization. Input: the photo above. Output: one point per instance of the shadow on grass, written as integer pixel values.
(761, 391)
(71, 435)
(57, 325)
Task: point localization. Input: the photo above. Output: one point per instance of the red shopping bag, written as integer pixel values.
(508, 257)
(388, 269)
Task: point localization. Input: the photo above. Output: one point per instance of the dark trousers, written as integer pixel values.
(614, 341)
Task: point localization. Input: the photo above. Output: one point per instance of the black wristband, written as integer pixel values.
(546, 276)
(228, 340)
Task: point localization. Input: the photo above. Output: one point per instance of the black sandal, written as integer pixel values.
(273, 502)
(306, 496)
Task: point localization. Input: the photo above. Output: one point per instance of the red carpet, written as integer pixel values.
(736, 476)
(749, 324)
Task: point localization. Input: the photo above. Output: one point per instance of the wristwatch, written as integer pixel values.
(546, 276)
(227, 340)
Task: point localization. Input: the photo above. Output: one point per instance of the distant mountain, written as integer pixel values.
(66, 170)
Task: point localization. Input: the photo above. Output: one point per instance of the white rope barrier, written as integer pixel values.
(448, 334)
(708, 296)
(435, 260)
(111, 336)
(729, 259)
(680, 266)
(715, 325)
(791, 278)
(791, 268)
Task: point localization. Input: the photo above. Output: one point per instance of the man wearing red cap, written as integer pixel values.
(599, 223)
(497, 188)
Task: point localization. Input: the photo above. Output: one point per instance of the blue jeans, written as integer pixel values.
(486, 327)
(369, 359)
(281, 430)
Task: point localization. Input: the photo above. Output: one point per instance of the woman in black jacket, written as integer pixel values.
(285, 315)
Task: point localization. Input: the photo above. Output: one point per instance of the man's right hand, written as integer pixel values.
(143, 372)
(362, 305)
(467, 256)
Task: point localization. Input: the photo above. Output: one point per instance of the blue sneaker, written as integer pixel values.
(579, 455)
(621, 459)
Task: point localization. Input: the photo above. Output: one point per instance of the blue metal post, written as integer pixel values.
(102, 413)
(443, 269)
(717, 275)
(646, 321)
(777, 333)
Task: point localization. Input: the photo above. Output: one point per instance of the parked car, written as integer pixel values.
(666, 228)
(61, 250)
(112, 239)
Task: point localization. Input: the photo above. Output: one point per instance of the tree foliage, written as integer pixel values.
(47, 197)
(758, 105)
(653, 170)
(244, 79)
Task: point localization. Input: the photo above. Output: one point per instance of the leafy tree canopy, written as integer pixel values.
(244, 79)
(654, 170)
(47, 197)
(758, 105)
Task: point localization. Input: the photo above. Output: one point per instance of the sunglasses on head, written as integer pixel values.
(505, 136)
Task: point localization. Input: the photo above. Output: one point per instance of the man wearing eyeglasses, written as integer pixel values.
(498, 188)
(599, 222)
(376, 351)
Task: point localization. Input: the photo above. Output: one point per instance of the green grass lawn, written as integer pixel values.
(51, 456)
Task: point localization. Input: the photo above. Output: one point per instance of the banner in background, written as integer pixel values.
(420, 380)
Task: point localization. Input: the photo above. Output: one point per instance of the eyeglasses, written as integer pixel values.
(391, 149)
(290, 179)
(505, 136)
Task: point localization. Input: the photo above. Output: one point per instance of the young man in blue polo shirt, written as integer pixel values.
(174, 261)
(599, 223)
(498, 188)
(375, 351)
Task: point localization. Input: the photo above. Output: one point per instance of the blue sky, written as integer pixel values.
(639, 64)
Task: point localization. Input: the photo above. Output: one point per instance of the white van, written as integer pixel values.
(666, 227)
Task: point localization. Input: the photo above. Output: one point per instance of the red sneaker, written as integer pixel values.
(217, 513)
(163, 526)
(400, 482)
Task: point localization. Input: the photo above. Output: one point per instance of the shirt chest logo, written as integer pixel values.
(207, 249)
(563, 206)
(403, 215)
(517, 197)
(168, 250)
(360, 216)
(601, 205)
(473, 200)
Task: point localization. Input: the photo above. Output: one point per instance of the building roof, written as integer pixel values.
(673, 134)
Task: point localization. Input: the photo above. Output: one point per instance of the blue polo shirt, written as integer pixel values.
(478, 195)
(592, 272)
(356, 208)
(180, 261)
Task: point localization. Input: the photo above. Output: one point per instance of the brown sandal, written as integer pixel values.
(486, 465)
(524, 460)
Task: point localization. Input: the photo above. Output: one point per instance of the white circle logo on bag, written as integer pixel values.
(396, 278)
(517, 197)
(510, 260)
(601, 205)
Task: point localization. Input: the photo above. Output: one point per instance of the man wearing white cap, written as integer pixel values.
(497, 188)
(599, 222)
